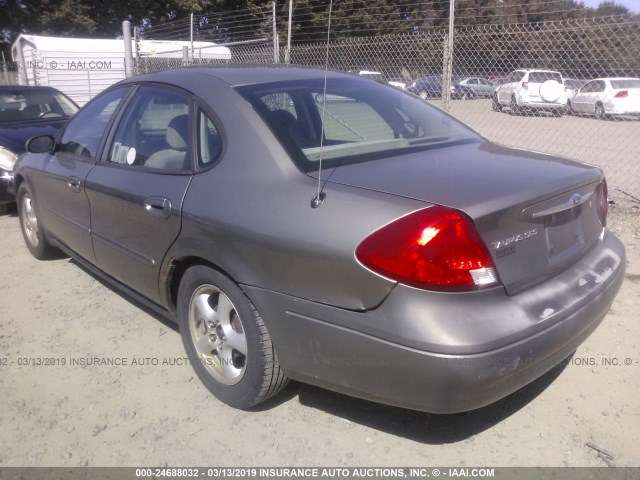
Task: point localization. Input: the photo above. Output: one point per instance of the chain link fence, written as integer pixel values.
(583, 102)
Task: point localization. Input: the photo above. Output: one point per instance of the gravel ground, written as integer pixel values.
(59, 409)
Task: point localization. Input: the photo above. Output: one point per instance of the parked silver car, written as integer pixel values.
(530, 90)
(480, 86)
(607, 96)
(350, 236)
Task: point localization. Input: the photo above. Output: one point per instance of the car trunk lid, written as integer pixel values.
(536, 213)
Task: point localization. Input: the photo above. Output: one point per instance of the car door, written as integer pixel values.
(485, 88)
(137, 188)
(508, 87)
(581, 98)
(60, 186)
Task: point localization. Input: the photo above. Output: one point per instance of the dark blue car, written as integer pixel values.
(27, 112)
(431, 87)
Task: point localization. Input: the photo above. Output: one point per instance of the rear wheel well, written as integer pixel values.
(177, 271)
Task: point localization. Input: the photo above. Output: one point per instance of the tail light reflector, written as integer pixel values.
(621, 94)
(436, 248)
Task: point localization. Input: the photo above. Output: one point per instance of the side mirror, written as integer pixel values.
(40, 144)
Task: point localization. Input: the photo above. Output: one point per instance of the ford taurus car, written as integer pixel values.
(330, 230)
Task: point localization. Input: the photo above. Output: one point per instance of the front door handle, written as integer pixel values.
(158, 207)
(74, 184)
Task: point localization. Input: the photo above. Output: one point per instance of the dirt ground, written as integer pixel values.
(58, 410)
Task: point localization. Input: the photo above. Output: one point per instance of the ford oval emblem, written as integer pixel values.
(575, 198)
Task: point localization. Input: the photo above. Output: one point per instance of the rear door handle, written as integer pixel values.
(158, 207)
(74, 184)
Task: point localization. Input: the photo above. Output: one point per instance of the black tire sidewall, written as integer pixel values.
(245, 393)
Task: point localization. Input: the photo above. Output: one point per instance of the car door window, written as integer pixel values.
(599, 86)
(84, 132)
(154, 131)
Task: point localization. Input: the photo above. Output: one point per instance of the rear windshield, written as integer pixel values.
(26, 105)
(627, 83)
(541, 77)
(363, 120)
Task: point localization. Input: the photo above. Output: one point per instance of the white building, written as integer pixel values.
(83, 67)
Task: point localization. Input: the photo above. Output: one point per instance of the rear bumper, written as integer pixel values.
(375, 354)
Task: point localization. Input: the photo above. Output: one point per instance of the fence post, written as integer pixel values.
(276, 54)
(287, 54)
(191, 36)
(23, 77)
(185, 56)
(128, 54)
(5, 73)
(448, 61)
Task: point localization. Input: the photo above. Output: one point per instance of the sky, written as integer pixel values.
(632, 5)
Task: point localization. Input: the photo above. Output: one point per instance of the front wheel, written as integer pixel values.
(226, 340)
(31, 226)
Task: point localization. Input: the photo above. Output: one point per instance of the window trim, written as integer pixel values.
(200, 105)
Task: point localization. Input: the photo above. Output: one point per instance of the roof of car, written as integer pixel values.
(617, 78)
(530, 70)
(238, 75)
(30, 88)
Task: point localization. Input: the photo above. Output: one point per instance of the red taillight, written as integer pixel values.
(525, 85)
(603, 202)
(436, 248)
(621, 94)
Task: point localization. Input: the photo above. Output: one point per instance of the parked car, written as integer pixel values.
(571, 86)
(431, 87)
(530, 91)
(26, 112)
(378, 76)
(496, 82)
(607, 96)
(203, 198)
(480, 86)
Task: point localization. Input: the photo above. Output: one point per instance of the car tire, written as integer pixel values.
(226, 340)
(495, 105)
(31, 226)
(515, 109)
(599, 112)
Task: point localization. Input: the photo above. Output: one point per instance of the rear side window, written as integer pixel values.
(541, 77)
(209, 141)
(84, 132)
(354, 121)
(515, 76)
(626, 83)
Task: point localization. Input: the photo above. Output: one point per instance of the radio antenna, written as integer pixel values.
(320, 195)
